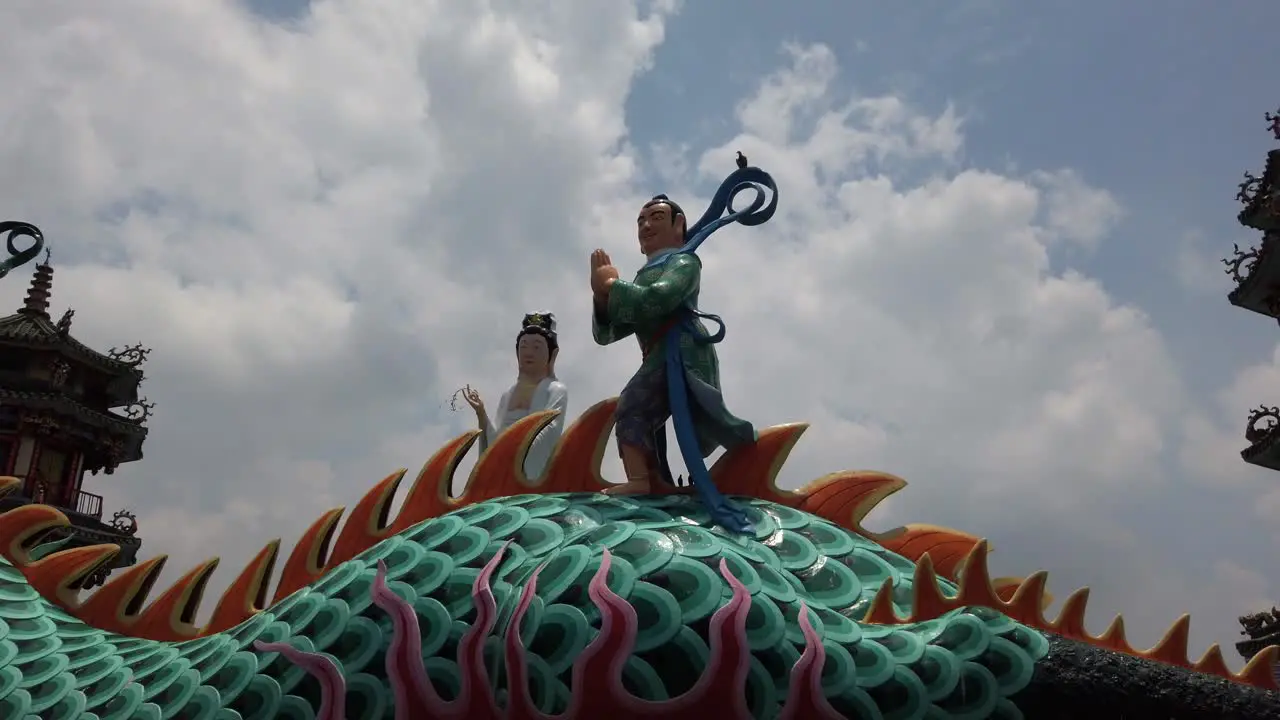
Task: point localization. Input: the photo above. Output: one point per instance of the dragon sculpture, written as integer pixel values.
(523, 601)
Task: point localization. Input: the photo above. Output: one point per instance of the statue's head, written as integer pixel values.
(661, 225)
(536, 345)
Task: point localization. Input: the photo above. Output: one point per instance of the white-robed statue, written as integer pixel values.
(536, 389)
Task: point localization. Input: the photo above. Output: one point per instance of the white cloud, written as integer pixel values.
(1075, 212)
(1195, 267)
(325, 229)
(1217, 432)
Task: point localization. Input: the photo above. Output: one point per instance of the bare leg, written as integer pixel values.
(635, 463)
(642, 470)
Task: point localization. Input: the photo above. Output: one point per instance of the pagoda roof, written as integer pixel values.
(31, 326)
(38, 330)
(62, 405)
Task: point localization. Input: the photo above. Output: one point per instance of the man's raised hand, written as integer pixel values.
(599, 259)
(602, 271)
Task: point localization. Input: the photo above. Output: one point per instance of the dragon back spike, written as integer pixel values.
(366, 524)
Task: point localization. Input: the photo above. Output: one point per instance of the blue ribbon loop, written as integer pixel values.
(17, 258)
(724, 512)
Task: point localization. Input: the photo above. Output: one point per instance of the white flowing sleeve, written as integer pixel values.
(543, 445)
(490, 434)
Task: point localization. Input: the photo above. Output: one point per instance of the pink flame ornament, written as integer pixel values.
(597, 688)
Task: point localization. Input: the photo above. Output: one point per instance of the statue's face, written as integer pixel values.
(656, 230)
(533, 353)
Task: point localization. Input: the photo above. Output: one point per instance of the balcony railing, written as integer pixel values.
(86, 503)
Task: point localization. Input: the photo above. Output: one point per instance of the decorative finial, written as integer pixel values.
(64, 323)
(1270, 419)
(1247, 190)
(125, 522)
(1242, 262)
(139, 411)
(742, 161)
(133, 355)
(47, 255)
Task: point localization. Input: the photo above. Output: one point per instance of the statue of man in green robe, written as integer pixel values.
(662, 298)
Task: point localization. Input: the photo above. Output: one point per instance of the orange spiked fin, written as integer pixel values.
(366, 524)
(1026, 601)
(1113, 638)
(752, 469)
(946, 546)
(846, 498)
(1172, 648)
(307, 561)
(171, 618)
(1006, 587)
(21, 524)
(247, 594)
(500, 470)
(1070, 622)
(975, 583)
(117, 604)
(1260, 670)
(1027, 604)
(575, 464)
(927, 599)
(429, 497)
(881, 611)
(56, 575)
(1212, 663)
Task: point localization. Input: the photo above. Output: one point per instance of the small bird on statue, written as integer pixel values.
(742, 160)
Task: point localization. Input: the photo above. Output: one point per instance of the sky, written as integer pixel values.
(994, 271)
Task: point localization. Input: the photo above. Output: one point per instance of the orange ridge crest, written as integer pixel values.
(752, 469)
(115, 606)
(366, 524)
(23, 524)
(307, 561)
(172, 615)
(247, 594)
(1026, 604)
(574, 467)
(844, 499)
(55, 576)
(429, 496)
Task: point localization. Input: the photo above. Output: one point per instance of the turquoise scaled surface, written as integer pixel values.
(966, 664)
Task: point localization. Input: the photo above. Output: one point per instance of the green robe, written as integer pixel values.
(643, 308)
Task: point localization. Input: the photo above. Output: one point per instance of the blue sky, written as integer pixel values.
(1163, 108)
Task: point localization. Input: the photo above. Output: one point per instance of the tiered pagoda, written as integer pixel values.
(1257, 275)
(67, 410)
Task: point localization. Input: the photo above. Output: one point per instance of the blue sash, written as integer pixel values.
(724, 512)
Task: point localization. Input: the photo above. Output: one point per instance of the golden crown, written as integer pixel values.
(544, 320)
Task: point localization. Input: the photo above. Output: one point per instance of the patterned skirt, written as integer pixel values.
(643, 408)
